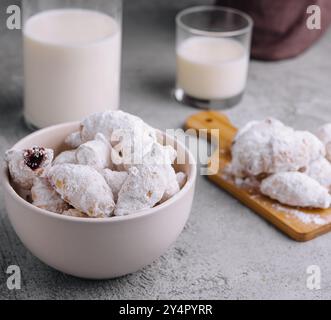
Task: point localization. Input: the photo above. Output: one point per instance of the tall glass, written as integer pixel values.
(72, 59)
(213, 49)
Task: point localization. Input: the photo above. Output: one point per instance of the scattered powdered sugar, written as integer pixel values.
(226, 177)
(305, 218)
(249, 183)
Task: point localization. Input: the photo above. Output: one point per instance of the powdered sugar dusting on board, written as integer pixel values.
(305, 218)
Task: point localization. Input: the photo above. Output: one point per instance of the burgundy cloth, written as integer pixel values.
(280, 29)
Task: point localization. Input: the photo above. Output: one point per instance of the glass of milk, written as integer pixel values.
(72, 59)
(213, 49)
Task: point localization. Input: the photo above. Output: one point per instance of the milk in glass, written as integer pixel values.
(72, 63)
(211, 68)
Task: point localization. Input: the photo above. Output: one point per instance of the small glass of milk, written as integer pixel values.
(72, 59)
(213, 49)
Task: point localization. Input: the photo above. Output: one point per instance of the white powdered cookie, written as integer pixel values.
(143, 189)
(172, 186)
(247, 127)
(149, 183)
(45, 197)
(115, 180)
(162, 157)
(130, 134)
(324, 133)
(328, 151)
(269, 146)
(74, 140)
(25, 165)
(313, 146)
(84, 188)
(320, 170)
(296, 189)
(65, 157)
(95, 153)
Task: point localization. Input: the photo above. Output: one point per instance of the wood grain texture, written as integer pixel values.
(287, 219)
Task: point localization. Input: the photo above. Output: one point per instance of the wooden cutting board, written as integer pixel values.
(300, 224)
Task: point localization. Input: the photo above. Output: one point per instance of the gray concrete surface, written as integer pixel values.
(225, 251)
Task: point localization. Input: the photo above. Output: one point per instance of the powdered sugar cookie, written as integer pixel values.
(25, 165)
(84, 188)
(95, 153)
(328, 151)
(74, 140)
(65, 157)
(115, 180)
(142, 189)
(131, 146)
(45, 197)
(314, 148)
(172, 186)
(247, 127)
(320, 170)
(151, 182)
(324, 133)
(127, 131)
(160, 155)
(108, 122)
(162, 158)
(296, 189)
(269, 146)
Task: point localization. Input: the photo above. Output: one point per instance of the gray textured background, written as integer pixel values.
(226, 251)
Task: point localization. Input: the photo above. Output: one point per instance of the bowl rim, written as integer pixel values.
(114, 219)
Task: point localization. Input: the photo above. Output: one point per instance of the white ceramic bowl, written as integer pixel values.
(97, 248)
